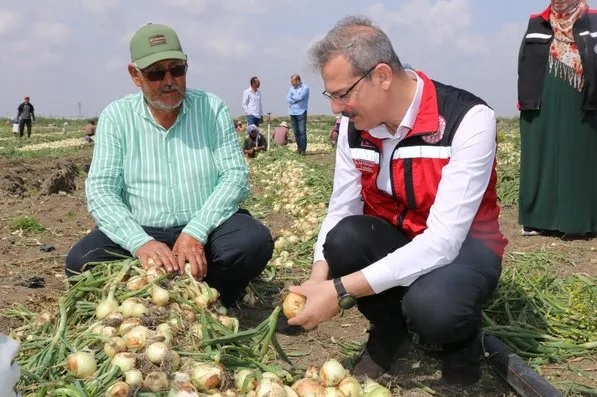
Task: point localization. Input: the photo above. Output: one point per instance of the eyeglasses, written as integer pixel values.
(159, 74)
(342, 97)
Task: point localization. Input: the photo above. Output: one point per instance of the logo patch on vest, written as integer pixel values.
(364, 166)
(439, 134)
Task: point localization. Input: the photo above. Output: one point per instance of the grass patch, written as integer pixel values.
(27, 224)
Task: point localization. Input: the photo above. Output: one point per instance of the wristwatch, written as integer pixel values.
(345, 300)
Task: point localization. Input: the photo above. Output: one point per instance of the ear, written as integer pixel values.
(384, 74)
(135, 74)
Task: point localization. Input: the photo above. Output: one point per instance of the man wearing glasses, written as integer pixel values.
(168, 176)
(411, 236)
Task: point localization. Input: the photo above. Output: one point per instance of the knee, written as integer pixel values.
(436, 318)
(258, 244)
(344, 236)
(74, 261)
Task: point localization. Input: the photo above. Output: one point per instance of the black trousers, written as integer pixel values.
(237, 251)
(22, 124)
(443, 306)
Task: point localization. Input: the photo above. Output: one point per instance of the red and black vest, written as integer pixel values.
(416, 167)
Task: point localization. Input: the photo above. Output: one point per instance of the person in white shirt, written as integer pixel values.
(411, 235)
(252, 102)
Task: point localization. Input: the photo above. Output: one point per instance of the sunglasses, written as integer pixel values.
(159, 74)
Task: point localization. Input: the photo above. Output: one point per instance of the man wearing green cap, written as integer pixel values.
(168, 176)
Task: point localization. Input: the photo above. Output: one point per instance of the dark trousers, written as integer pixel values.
(443, 306)
(299, 126)
(22, 124)
(237, 251)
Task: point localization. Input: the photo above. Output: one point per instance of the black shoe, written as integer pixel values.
(380, 351)
(461, 363)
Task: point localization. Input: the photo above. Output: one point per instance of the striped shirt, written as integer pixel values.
(192, 175)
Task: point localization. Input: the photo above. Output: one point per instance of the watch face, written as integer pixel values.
(347, 301)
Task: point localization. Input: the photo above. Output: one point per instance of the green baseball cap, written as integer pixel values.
(153, 43)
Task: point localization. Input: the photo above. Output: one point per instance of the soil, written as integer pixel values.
(52, 191)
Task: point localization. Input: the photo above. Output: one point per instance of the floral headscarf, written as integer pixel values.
(563, 49)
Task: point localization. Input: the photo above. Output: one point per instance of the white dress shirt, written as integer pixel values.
(462, 186)
(252, 103)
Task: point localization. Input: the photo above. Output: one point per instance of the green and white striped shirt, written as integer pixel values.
(192, 174)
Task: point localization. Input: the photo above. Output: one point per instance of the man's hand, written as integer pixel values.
(322, 303)
(188, 249)
(159, 253)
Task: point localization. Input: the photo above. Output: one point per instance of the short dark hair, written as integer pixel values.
(253, 79)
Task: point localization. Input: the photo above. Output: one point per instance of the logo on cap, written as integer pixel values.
(159, 39)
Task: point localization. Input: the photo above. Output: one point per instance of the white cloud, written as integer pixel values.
(9, 21)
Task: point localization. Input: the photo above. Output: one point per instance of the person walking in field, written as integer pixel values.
(411, 236)
(25, 115)
(168, 177)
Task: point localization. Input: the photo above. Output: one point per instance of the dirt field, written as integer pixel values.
(65, 218)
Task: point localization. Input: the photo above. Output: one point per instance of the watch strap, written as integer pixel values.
(340, 290)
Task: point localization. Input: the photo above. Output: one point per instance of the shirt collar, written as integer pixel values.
(408, 121)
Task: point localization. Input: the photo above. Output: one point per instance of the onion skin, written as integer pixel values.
(293, 304)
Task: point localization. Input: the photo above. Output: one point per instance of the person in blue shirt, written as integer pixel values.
(298, 100)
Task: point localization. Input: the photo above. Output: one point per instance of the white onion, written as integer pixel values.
(156, 381)
(132, 307)
(331, 373)
(159, 296)
(128, 324)
(116, 345)
(183, 389)
(136, 338)
(270, 388)
(206, 377)
(108, 331)
(308, 387)
(81, 364)
(124, 360)
(374, 389)
(229, 322)
(154, 272)
(113, 319)
(244, 380)
(156, 352)
(137, 282)
(106, 307)
(118, 389)
(350, 387)
(133, 377)
(181, 377)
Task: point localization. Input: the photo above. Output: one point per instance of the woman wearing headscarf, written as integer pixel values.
(557, 96)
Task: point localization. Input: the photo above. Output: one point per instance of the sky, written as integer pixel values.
(71, 56)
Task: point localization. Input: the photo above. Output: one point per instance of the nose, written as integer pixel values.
(168, 78)
(337, 106)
